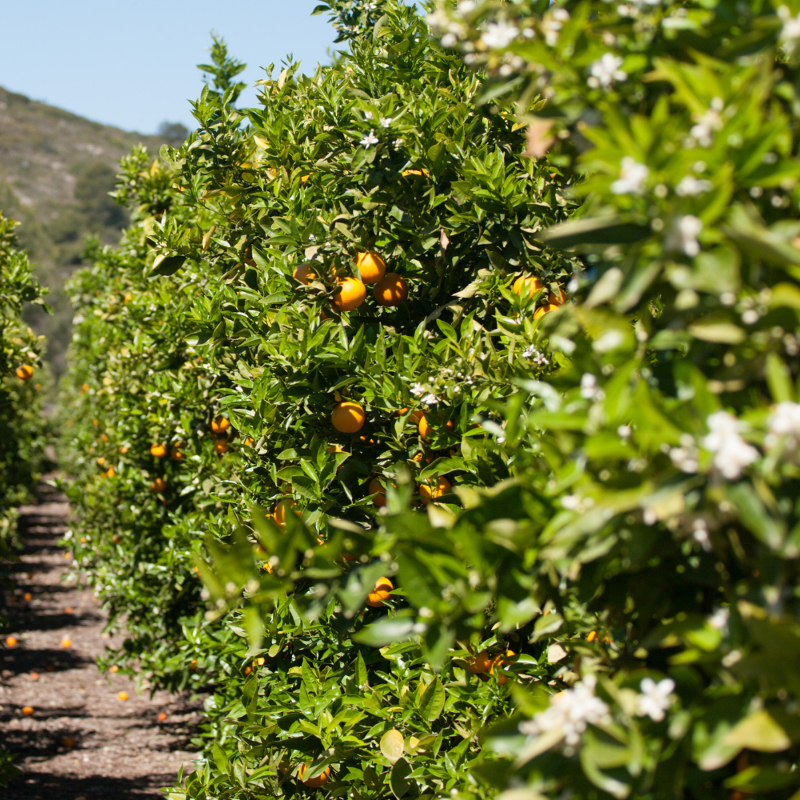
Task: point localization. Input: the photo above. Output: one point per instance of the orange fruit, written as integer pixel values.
(281, 510)
(304, 273)
(335, 448)
(425, 426)
(27, 711)
(221, 447)
(371, 267)
(391, 290)
(352, 295)
(128, 297)
(27, 597)
(123, 696)
(348, 417)
(110, 472)
(116, 538)
(380, 592)
(113, 668)
(158, 450)
(175, 453)
(220, 424)
(249, 442)
(480, 663)
(162, 717)
(558, 298)
(101, 461)
(34, 676)
(498, 662)
(540, 312)
(124, 449)
(314, 783)
(158, 485)
(66, 642)
(11, 641)
(527, 283)
(428, 493)
(376, 488)
(67, 610)
(25, 372)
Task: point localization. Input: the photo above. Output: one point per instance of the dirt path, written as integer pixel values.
(82, 740)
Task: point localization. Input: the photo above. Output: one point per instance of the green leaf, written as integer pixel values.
(593, 231)
(431, 704)
(758, 732)
(399, 780)
(167, 265)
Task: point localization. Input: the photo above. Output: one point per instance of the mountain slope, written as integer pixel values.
(56, 170)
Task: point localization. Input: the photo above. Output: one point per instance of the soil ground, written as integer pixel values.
(82, 741)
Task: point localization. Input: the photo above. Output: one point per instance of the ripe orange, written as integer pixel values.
(383, 586)
(27, 597)
(376, 488)
(34, 676)
(110, 472)
(68, 610)
(101, 461)
(304, 273)
(220, 424)
(281, 510)
(371, 267)
(425, 426)
(175, 453)
(348, 417)
(162, 717)
(540, 312)
(335, 448)
(11, 641)
(158, 450)
(123, 696)
(158, 485)
(527, 283)
(428, 493)
(352, 295)
(406, 172)
(25, 372)
(66, 642)
(27, 711)
(248, 442)
(498, 662)
(314, 783)
(128, 297)
(221, 447)
(113, 668)
(391, 290)
(124, 449)
(558, 298)
(480, 663)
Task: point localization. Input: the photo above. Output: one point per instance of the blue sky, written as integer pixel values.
(131, 63)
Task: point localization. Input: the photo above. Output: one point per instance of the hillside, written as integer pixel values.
(56, 170)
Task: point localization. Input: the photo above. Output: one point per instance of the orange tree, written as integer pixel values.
(21, 429)
(645, 541)
(317, 311)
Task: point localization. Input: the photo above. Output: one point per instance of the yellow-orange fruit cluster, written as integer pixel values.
(380, 592)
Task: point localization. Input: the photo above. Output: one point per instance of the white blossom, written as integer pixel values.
(417, 390)
(499, 35)
(708, 124)
(700, 534)
(691, 186)
(624, 431)
(790, 33)
(655, 698)
(569, 713)
(682, 236)
(632, 176)
(552, 25)
(605, 71)
(538, 358)
(719, 619)
(731, 453)
(370, 139)
(784, 421)
(430, 399)
(386, 121)
(589, 388)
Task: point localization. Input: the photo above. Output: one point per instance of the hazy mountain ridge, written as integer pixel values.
(56, 169)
